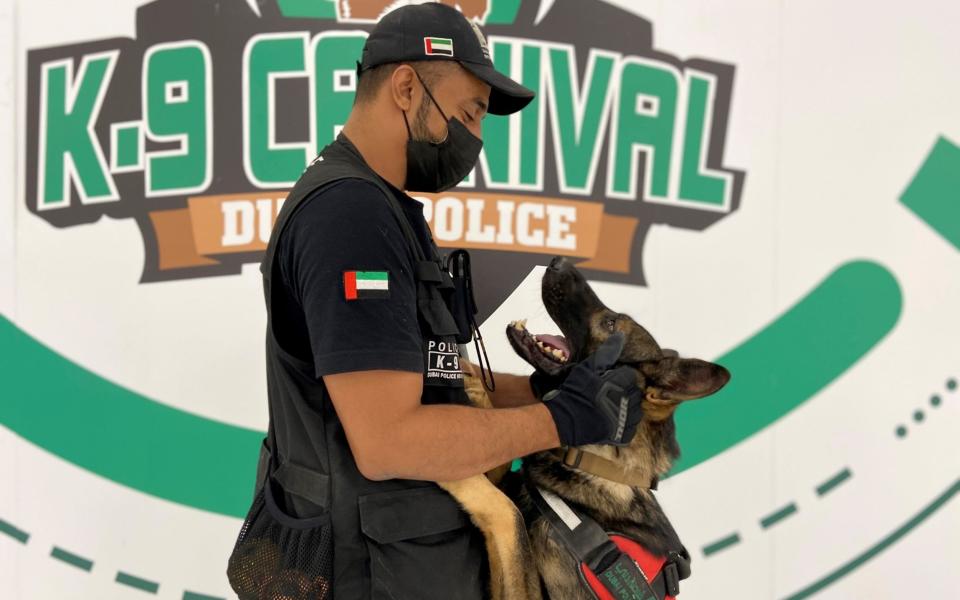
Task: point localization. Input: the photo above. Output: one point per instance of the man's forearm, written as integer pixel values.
(446, 442)
(511, 390)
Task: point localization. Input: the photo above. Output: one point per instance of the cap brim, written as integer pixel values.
(506, 95)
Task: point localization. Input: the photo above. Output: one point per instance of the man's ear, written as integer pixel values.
(677, 379)
(402, 88)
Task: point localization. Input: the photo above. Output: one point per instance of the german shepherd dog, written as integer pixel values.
(526, 563)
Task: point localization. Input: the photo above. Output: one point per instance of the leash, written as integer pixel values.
(612, 566)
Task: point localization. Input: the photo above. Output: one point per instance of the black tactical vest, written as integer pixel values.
(398, 538)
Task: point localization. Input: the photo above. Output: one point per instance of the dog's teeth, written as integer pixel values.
(556, 353)
(522, 324)
(539, 343)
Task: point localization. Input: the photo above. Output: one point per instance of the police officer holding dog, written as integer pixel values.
(365, 389)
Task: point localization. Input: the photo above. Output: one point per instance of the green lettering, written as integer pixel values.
(335, 54)
(645, 123)
(178, 100)
(530, 134)
(576, 125)
(695, 185)
(70, 108)
(496, 128)
(268, 163)
(127, 146)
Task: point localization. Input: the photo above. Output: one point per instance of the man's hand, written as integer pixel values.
(595, 404)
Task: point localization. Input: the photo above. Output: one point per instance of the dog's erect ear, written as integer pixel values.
(677, 379)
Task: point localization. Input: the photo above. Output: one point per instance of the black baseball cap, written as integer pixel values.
(434, 31)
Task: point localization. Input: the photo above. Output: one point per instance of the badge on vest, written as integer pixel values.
(362, 285)
(443, 362)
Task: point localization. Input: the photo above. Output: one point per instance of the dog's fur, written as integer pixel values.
(525, 562)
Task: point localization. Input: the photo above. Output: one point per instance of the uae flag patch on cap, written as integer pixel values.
(435, 45)
(360, 285)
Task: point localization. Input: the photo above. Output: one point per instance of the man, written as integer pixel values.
(367, 405)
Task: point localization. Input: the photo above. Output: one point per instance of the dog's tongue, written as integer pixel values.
(557, 341)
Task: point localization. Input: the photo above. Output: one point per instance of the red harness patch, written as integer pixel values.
(649, 564)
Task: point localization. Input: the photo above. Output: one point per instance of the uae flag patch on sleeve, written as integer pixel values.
(360, 285)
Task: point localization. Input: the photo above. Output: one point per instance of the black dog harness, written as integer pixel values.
(609, 564)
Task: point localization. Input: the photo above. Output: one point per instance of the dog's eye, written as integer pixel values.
(610, 323)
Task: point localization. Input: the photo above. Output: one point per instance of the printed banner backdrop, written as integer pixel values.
(773, 186)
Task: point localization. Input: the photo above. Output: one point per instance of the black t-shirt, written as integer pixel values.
(343, 241)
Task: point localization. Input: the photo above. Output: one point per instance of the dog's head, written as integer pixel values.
(585, 322)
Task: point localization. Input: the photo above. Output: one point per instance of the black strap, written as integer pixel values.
(412, 242)
(306, 483)
(676, 569)
(429, 271)
(465, 307)
(588, 543)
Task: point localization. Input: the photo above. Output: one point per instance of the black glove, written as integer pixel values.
(542, 382)
(594, 404)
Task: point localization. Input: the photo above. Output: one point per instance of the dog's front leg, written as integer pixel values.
(513, 574)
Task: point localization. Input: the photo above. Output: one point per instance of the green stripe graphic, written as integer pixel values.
(210, 465)
(188, 595)
(12, 531)
(824, 488)
(854, 308)
(71, 559)
(721, 544)
(774, 518)
(934, 193)
(502, 12)
(137, 582)
(122, 435)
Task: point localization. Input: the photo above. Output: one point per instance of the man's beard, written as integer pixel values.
(419, 128)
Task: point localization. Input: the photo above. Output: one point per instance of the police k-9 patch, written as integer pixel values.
(361, 285)
(443, 362)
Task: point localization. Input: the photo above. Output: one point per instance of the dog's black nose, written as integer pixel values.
(556, 262)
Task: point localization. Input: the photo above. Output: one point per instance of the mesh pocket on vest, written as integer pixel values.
(279, 557)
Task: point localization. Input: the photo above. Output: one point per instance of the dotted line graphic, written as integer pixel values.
(780, 514)
(71, 559)
(85, 564)
(918, 415)
(827, 486)
(887, 541)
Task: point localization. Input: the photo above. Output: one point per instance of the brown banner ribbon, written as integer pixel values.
(213, 226)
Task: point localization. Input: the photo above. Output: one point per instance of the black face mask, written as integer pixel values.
(438, 166)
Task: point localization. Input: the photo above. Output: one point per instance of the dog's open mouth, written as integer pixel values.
(544, 351)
